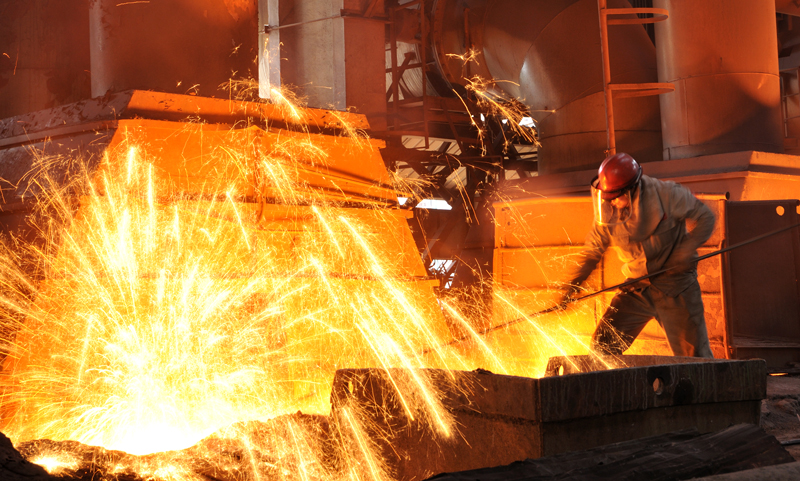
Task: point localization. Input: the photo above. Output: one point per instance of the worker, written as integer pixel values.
(646, 219)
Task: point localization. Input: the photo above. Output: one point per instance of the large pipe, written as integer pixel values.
(722, 56)
(175, 46)
(547, 54)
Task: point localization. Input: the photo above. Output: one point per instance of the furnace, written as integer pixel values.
(212, 209)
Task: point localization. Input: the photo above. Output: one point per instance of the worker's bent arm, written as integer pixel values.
(700, 225)
(596, 244)
(685, 205)
(704, 224)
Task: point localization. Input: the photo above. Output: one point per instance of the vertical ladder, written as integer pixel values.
(628, 16)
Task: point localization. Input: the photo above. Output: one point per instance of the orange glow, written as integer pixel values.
(188, 289)
(56, 463)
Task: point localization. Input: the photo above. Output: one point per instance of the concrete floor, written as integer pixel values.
(780, 412)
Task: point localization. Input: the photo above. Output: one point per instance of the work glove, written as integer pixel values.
(636, 286)
(568, 293)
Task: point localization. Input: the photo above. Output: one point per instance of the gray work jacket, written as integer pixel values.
(653, 238)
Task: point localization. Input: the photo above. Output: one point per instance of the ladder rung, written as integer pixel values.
(659, 15)
(641, 90)
(405, 67)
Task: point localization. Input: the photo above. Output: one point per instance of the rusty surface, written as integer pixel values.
(44, 54)
(501, 419)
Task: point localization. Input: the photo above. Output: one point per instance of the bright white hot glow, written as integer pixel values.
(434, 204)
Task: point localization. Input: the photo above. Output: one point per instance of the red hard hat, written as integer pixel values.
(616, 174)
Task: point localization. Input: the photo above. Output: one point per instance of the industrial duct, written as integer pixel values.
(722, 57)
(546, 53)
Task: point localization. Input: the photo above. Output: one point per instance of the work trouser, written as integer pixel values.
(681, 317)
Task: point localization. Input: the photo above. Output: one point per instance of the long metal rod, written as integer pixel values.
(559, 307)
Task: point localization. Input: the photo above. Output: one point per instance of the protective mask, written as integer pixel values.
(611, 211)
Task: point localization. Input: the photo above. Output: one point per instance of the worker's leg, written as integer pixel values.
(683, 321)
(622, 322)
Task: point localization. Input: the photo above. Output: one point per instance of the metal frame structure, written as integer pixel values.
(439, 122)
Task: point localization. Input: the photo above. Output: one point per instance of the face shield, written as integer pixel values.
(611, 208)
